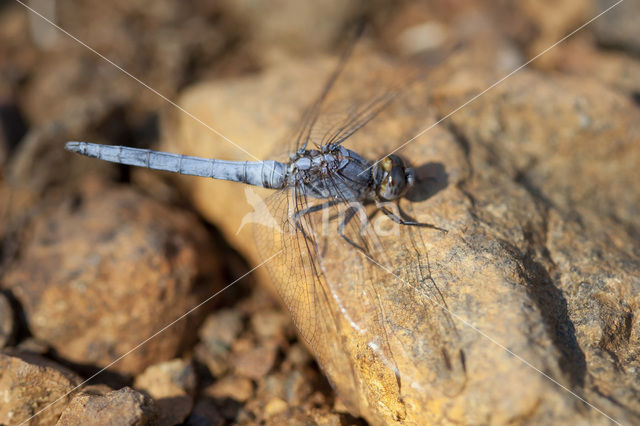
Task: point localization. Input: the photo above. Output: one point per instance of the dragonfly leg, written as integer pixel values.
(318, 207)
(349, 216)
(404, 219)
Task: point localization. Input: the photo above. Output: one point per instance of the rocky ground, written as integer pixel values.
(535, 181)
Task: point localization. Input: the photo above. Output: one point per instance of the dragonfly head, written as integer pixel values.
(392, 177)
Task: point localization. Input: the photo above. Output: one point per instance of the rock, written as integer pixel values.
(621, 72)
(83, 96)
(618, 27)
(7, 324)
(34, 346)
(234, 387)
(34, 389)
(539, 26)
(156, 49)
(269, 324)
(101, 272)
(274, 407)
(221, 329)
(535, 184)
(118, 407)
(579, 248)
(217, 334)
(40, 164)
(286, 27)
(217, 363)
(171, 384)
(297, 355)
(253, 361)
(205, 413)
(300, 417)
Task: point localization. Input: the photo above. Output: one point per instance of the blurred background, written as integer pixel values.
(107, 80)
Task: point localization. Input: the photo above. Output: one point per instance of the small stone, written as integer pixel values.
(30, 385)
(619, 26)
(254, 362)
(297, 387)
(221, 329)
(33, 345)
(119, 407)
(298, 355)
(298, 416)
(234, 387)
(269, 324)
(171, 385)
(217, 363)
(218, 332)
(7, 324)
(272, 386)
(274, 407)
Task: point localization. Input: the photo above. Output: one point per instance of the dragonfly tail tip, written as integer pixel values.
(73, 146)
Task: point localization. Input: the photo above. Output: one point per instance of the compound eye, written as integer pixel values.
(393, 184)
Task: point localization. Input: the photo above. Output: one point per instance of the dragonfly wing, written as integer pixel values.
(297, 275)
(365, 303)
(397, 312)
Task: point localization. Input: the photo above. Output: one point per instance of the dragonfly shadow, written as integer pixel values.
(431, 178)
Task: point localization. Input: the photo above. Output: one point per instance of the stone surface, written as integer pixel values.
(233, 387)
(7, 323)
(286, 27)
(217, 334)
(251, 360)
(30, 384)
(107, 268)
(620, 72)
(157, 49)
(619, 27)
(171, 384)
(535, 183)
(119, 407)
(254, 372)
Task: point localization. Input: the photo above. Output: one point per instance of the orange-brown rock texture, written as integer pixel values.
(105, 269)
(30, 383)
(522, 307)
(535, 183)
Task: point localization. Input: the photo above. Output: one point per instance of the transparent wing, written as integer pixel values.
(353, 94)
(363, 91)
(299, 280)
(309, 119)
(380, 274)
(357, 295)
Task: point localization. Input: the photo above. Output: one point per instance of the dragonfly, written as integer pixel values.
(333, 267)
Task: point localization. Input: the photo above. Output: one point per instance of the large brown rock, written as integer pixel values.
(104, 270)
(537, 277)
(124, 407)
(32, 386)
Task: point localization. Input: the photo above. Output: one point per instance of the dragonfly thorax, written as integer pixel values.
(331, 173)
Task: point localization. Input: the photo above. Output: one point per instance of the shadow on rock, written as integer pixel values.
(431, 178)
